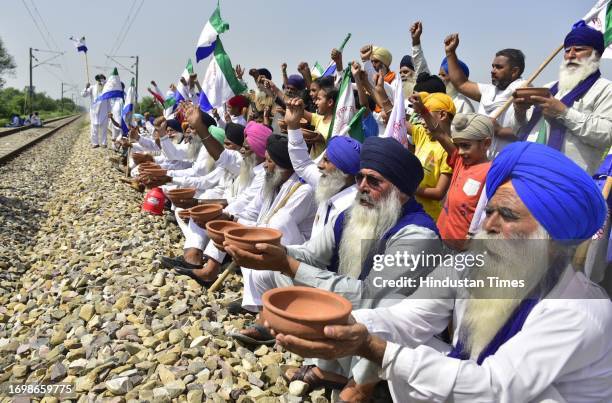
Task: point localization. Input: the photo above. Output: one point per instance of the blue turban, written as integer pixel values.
(343, 152)
(395, 163)
(561, 196)
(583, 35)
(407, 61)
(297, 81)
(464, 67)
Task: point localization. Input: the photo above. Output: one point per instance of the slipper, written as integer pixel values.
(189, 273)
(235, 308)
(180, 262)
(268, 339)
(306, 375)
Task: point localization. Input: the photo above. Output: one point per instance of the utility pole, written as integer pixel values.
(62, 98)
(136, 79)
(30, 91)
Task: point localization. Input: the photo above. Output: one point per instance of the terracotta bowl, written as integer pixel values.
(148, 164)
(304, 311)
(216, 230)
(206, 212)
(181, 194)
(245, 238)
(184, 215)
(156, 172)
(529, 92)
(309, 134)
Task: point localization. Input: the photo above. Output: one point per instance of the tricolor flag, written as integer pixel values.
(600, 18)
(355, 126)
(156, 93)
(182, 91)
(345, 105)
(220, 82)
(79, 44)
(112, 87)
(317, 71)
(208, 37)
(169, 104)
(128, 109)
(396, 125)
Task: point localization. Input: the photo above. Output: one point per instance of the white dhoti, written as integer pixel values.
(98, 134)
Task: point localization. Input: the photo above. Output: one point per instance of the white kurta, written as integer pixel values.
(307, 169)
(98, 111)
(563, 350)
(294, 219)
(588, 125)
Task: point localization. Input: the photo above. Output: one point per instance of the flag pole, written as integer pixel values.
(535, 74)
(343, 44)
(86, 66)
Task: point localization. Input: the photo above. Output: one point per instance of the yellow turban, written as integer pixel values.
(437, 102)
(383, 55)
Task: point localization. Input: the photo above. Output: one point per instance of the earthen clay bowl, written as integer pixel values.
(309, 134)
(156, 172)
(245, 238)
(304, 311)
(216, 230)
(184, 215)
(181, 194)
(528, 92)
(206, 212)
(148, 164)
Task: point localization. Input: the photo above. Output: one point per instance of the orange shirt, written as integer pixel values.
(461, 200)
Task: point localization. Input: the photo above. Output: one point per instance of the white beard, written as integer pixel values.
(570, 77)
(329, 185)
(408, 87)
(507, 259)
(194, 148)
(272, 182)
(210, 164)
(363, 228)
(246, 170)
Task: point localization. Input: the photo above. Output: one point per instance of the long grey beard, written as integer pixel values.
(272, 182)
(508, 259)
(408, 87)
(329, 185)
(246, 170)
(364, 227)
(570, 77)
(194, 148)
(210, 164)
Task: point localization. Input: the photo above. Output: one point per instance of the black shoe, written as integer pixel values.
(171, 218)
(95, 146)
(189, 273)
(171, 263)
(235, 308)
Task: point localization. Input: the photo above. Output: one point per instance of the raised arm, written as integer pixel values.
(359, 76)
(193, 115)
(418, 56)
(455, 73)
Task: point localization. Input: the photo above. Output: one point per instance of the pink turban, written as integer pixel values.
(256, 136)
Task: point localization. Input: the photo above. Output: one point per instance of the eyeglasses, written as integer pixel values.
(372, 181)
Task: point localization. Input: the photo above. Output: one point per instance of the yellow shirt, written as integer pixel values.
(433, 158)
(320, 127)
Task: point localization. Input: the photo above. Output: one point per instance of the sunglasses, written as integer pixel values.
(372, 181)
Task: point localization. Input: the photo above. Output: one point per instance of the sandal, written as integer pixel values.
(178, 262)
(190, 273)
(266, 337)
(306, 375)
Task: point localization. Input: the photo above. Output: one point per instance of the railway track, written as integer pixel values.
(14, 141)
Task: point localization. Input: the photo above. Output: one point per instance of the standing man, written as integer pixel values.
(98, 111)
(507, 68)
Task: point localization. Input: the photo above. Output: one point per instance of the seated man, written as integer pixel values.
(577, 118)
(384, 219)
(35, 120)
(333, 178)
(248, 182)
(548, 341)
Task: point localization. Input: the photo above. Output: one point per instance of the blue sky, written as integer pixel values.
(266, 33)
